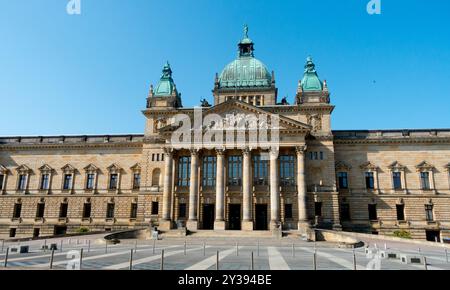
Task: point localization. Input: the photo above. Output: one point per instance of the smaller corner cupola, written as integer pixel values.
(311, 81)
(311, 89)
(165, 94)
(166, 86)
(246, 45)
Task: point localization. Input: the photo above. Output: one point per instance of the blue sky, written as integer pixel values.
(90, 73)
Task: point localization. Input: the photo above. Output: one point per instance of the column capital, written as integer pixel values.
(301, 149)
(246, 151)
(168, 151)
(274, 152)
(194, 151)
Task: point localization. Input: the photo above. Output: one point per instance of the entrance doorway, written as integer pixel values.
(60, 230)
(234, 217)
(433, 236)
(261, 217)
(208, 216)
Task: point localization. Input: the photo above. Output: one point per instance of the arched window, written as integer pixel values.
(156, 175)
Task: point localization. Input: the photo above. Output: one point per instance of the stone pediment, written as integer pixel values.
(68, 169)
(114, 168)
(3, 169)
(45, 168)
(424, 166)
(396, 166)
(91, 168)
(369, 166)
(235, 107)
(234, 110)
(23, 169)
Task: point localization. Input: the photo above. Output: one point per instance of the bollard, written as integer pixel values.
(217, 260)
(70, 241)
(252, 264)
(446, 255)
(204, 249)
(375, 246)
(436, 239)
(45, 245)
(106, 247)
(6, 257)
(425, 263)
(154, 244)
(258, 249)
(418, 249)
(78, 241)
(162, 259)
(135, 246)
(131, 259)
(3, 245)
(81, 257)
(89, 246)
(61, 246)
(385, 246)
(237, 248)
(354, 260)
(293, 251)
(185, 247)
(315, 260)
(51, 258)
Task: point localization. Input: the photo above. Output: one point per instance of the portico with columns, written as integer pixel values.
(246, 186)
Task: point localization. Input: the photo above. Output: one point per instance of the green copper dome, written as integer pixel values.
(246, 70)
(166, 85)
(311, 81)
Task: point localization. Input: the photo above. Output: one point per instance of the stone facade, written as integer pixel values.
(368, 181)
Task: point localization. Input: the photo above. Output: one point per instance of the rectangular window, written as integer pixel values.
(40, 210)
(2, 178)
(184, 171)
(67, 181)
(36, 232)
(110, 210)
(155, 207)
(182, 210)
(425, 180)
(87, 210)
(134, 208)
(288, 211)
(90, 179)
(345, 212)
(209, 171)
(343, 180)
(12, 232)
(287, 170)
(429, 212)
(22, 182)
(260, 170)
(17, 210)
(63, 210)
(113, 181)
(321, 155)
(45, 181)
(370, 184)
(400, 212)
(153, 157)
(235, 170)
(136, 181)
(397, 180)
(318, 209)
(373, 212)
(316, 156)
(310, 156)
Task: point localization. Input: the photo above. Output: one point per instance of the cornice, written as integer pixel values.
(18, 146)
(428, 140)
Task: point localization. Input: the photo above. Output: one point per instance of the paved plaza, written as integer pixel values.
(201, 254)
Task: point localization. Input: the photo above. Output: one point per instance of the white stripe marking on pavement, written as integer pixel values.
(209, 262)
(276, 261)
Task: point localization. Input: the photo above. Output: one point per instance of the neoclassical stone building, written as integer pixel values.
(368, 181)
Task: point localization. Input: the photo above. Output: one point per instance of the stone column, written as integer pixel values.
(219, 223)
(247, 221)
(166, 223)
(192, 223)
(303, 223)
(274, 192)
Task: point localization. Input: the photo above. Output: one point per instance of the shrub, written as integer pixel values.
(402, 234)
(83, 230)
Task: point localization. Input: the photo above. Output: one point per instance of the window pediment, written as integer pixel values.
(114, 168)
(341, 165)
(396, 166)
(136, 167)
(46, 169)
(425, 166)
(3, 170)
(23, 169)
(369, 166)
(68, 169)
(91, 168)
